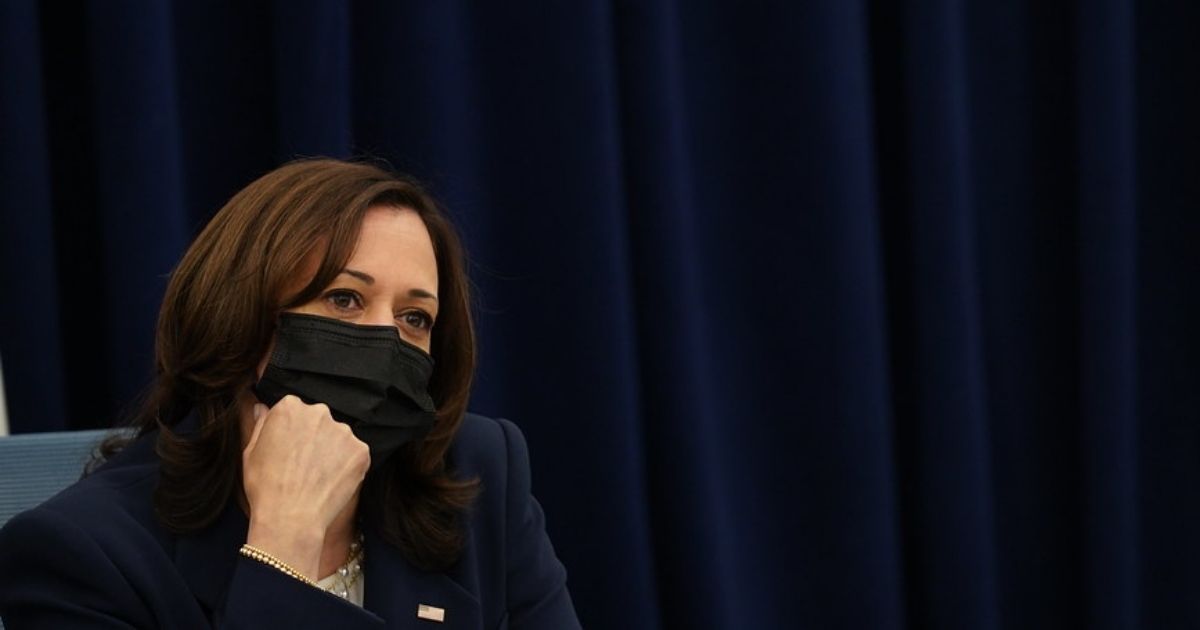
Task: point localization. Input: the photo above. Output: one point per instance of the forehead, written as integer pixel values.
(394, 244)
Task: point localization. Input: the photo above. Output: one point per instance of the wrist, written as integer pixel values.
(299, 546)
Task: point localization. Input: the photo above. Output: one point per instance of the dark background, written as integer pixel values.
(821, 314)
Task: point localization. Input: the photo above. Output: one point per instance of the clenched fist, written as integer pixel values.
(300, 470)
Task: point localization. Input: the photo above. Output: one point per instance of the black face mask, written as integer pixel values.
(370, 378)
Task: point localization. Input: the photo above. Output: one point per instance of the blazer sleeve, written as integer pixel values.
(54, 575)
(264, 597)
(537, 581)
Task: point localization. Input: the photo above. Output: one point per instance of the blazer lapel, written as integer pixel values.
(396, 591)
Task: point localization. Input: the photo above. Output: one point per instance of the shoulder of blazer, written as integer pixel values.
(479, 447)
(492, 450)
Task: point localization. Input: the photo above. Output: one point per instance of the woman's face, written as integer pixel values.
(391, 278)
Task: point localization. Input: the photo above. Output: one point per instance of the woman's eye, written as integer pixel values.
(343, 300)
(417, 319)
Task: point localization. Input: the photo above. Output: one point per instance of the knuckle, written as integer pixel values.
(289, 403)
(318, 415)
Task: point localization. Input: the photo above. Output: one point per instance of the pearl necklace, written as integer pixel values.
(344, 579)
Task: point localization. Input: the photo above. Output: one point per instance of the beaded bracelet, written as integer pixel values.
(255, 553)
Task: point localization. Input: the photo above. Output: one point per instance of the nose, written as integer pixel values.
(379, 315)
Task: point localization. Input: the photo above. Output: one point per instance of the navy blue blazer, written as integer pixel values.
(95, 556)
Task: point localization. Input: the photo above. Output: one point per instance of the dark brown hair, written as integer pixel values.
(217, 321)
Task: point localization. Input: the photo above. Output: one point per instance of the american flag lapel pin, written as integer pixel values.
(431, 613)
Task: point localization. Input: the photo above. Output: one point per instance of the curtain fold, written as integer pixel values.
(139, 178)
(824, 314)
(942, 419)
(312, 77)
(1108, 329)
(1168, 306)
(679, 380)
(28, 261)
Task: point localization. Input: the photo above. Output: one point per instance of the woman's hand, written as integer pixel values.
(300, 470)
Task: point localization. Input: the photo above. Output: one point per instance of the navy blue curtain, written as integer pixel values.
(828, 314)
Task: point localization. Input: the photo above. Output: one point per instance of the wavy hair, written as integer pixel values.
(217, 321)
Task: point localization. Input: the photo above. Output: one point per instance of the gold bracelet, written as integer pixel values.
(255, 553)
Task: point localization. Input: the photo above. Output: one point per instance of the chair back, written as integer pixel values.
(36, 466)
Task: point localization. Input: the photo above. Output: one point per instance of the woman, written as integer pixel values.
(301, 461)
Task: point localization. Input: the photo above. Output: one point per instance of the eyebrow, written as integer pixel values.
(369, 279)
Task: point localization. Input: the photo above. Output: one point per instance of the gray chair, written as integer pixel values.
(36, 466)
